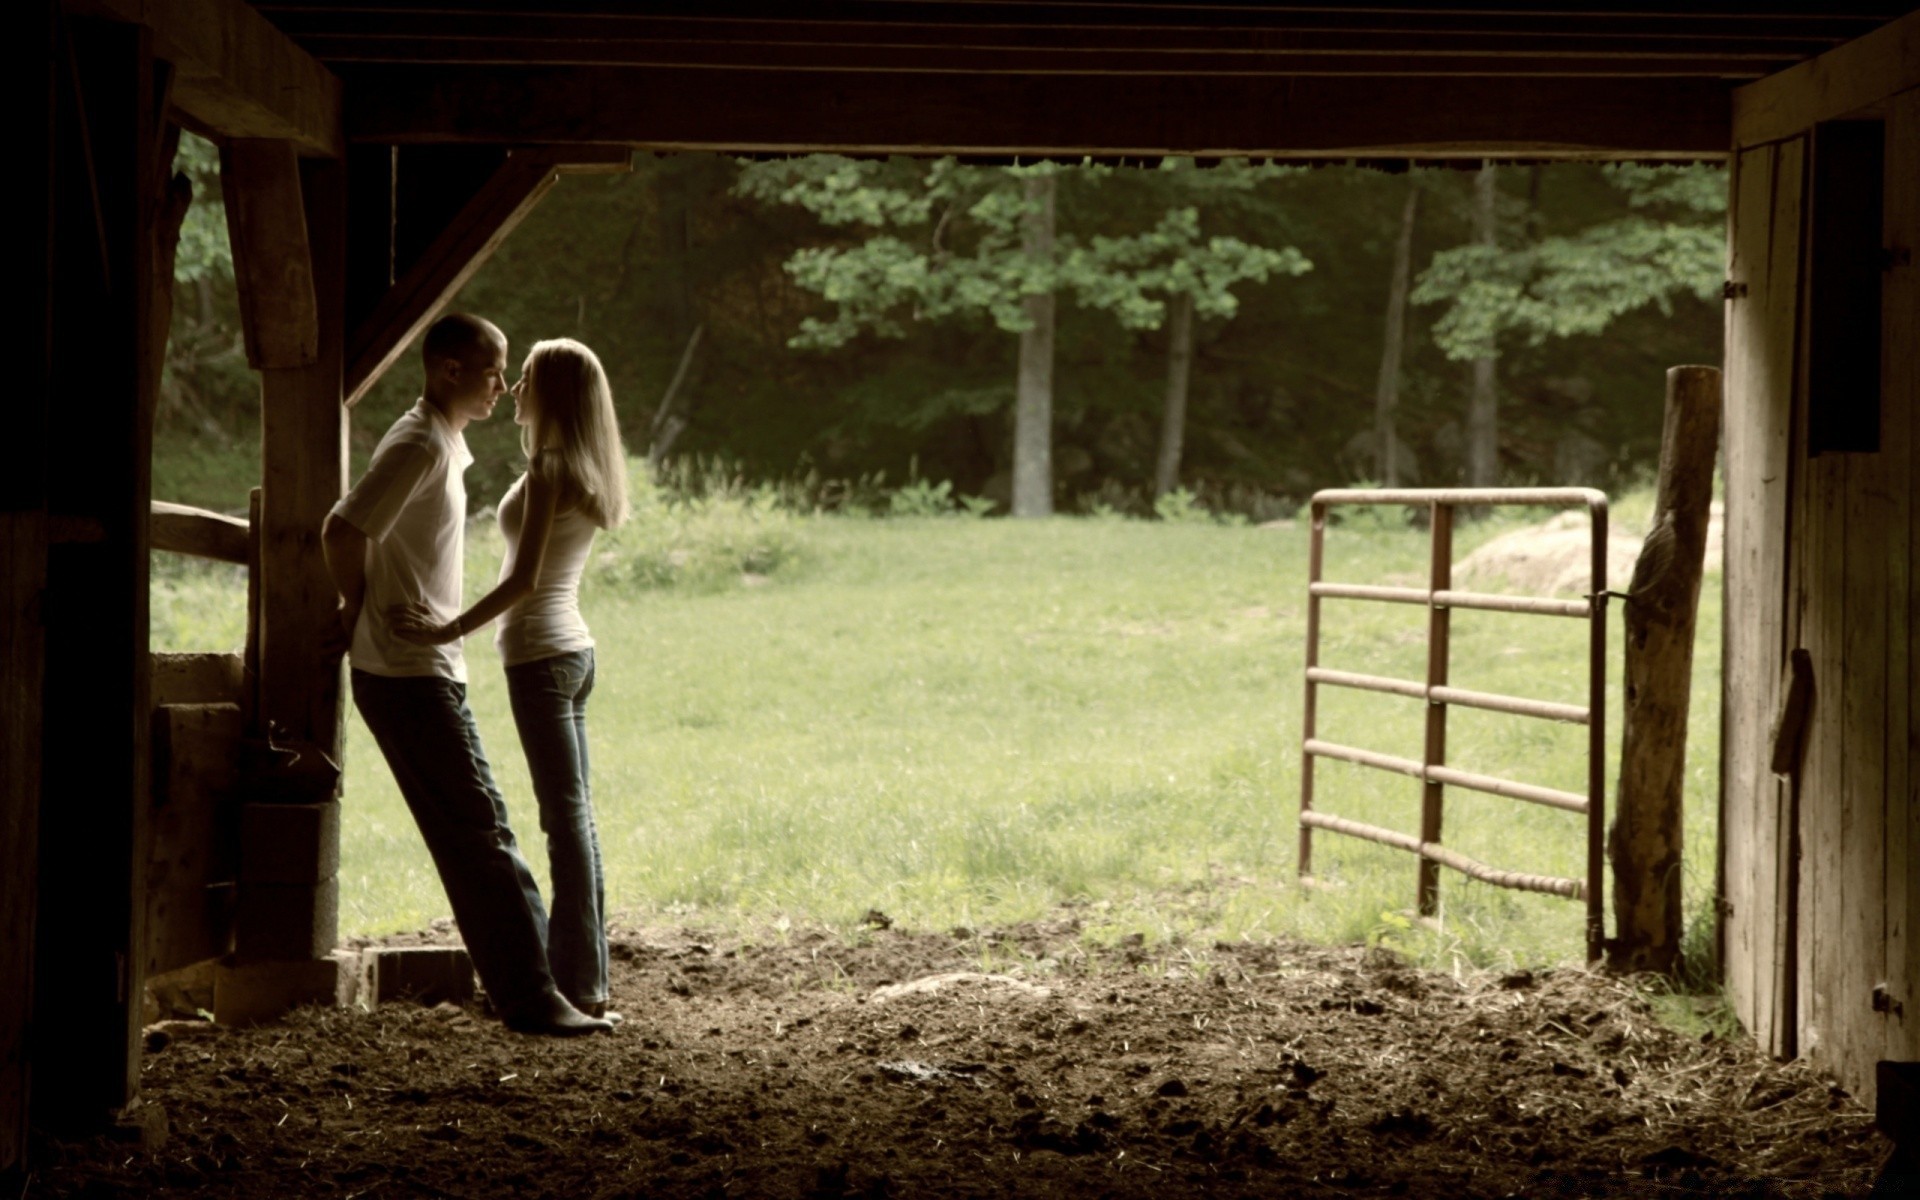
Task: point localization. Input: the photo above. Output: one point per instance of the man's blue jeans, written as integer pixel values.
(430, 742)
(549, 698)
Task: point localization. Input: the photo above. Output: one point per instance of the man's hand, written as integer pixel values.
(414, 623)
(336, 641)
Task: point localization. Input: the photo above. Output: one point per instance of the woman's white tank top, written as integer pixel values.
(547, 620)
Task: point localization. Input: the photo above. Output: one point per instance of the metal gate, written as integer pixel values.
(1440, 598)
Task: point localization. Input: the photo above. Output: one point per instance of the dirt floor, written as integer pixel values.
(783, 1068)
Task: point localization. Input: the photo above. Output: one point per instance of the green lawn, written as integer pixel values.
(964, 722)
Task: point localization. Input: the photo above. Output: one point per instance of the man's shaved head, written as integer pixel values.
(460, 336)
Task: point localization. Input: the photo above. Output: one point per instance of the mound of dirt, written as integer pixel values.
(768, 1069)
(1555, 557)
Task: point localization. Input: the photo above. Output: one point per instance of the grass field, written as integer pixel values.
(968, 722)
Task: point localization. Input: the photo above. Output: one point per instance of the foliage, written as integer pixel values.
(1132, 274)
(1669, 245)
(631, 263)
(969, 260)
(704, 542)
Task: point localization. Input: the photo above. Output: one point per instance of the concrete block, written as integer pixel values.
(286, 921)
(424, 974)
(197, 679)
(244, 993)
(289, 843)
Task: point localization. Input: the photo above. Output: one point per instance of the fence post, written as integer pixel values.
(1646, 840)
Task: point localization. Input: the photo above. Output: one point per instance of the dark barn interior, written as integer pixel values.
(373, 152)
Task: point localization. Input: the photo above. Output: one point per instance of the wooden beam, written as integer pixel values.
(768, 55)
(469, 239)
(303, 471)
(333, 35)
(96, 780)
(237, 75)
(184, 529)
(23, 576)
(881, 19)
(1850, 80)
(799, 111)
(272, 265)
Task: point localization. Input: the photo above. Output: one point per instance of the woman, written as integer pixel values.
(575, 485)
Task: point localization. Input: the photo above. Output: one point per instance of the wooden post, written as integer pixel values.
(1645, 843)
(23, 575)
(95, 774)
(297, 231)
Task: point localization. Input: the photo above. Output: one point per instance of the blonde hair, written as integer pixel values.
(573, 420)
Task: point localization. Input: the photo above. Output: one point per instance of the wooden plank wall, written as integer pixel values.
(1852, 598)
(1761, 337)
(1900, 389)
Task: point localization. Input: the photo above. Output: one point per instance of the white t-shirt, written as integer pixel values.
(412, 505)
(547, 620)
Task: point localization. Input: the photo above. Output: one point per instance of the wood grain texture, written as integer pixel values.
(1645, 845)
(272, 261)
(800, 111)
(304, 471)
(1761, 326)
(183, 529)
(23, 568)
(98, 459)
(1356, 55)
(1900, 380)
(1858, 75)
(195, 832)
(23, 573)
(237, 75)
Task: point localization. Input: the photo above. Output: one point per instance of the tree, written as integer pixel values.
(988, 248)
(1483, 401)
(1563, 285)
(1171, 274)
(1535, 287)
(1386, 393)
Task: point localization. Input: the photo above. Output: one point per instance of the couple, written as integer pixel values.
(394, 546)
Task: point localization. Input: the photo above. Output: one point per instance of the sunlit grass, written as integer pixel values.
(970, 723)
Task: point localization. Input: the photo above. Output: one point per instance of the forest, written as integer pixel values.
(1061, 337)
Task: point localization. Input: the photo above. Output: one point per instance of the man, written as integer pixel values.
(396, 539)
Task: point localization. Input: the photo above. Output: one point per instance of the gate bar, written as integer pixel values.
(1573, 714)
(1553, 885)
(1493, 785)
(1488, 601)
(1440, 597)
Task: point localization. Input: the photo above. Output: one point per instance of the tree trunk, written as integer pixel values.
(1646, 840)
(1483, 405)
(1386, 392)
(1173, 421)
(1033, 398)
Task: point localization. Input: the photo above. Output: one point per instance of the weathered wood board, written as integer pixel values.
(304, 470)
(1900, 381)
(1759, 396)
(195, 833)
(272, 263)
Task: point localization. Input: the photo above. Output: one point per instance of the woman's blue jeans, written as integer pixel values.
(549, 697)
